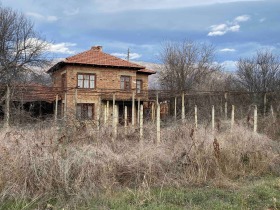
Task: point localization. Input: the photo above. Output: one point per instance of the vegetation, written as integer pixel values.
(186, 65)
(76, 167)
(21, 51)
(260, 73)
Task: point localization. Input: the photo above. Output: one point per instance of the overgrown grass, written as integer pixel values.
(76, 166)
(262, 193)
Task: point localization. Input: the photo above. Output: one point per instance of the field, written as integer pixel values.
(76, 167)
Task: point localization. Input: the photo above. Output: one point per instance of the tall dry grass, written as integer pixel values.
(79, 161)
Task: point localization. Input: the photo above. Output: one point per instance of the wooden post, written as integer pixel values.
(138, 111)
(117, 114)
(272, 111)
(65, 106)
(175, 109)
(133, 109)
(7, 107)
(108, 111)
(114, 103)
(255, 119)
(264, 103)
(125, 120)
(55, 111)
(232, 118)
(213, 117)
(141, 123)
(114, 123)
(157, 98)
(183, 107)
(195, 116)
(158, 124)
(226, 106)
(105, 114)
(99, 113)
(153, 112)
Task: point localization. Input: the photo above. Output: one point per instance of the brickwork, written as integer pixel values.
(108, 81)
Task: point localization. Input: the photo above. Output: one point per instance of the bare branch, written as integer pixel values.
(186, 65)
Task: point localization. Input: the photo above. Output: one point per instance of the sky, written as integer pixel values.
(236, 28)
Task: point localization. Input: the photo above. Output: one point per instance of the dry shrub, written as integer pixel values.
(80, 161)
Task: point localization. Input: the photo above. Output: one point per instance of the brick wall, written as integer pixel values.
(107, 82)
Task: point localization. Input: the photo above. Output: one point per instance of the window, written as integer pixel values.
(85, 111)
(86, 81)
(138, 86)
(125, 83)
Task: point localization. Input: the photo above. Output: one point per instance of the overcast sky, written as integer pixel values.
(237, 28)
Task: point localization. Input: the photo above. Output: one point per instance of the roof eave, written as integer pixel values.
(58, 65)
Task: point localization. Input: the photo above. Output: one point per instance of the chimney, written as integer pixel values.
(98, 48)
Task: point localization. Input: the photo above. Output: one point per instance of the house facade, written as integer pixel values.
(92, 82)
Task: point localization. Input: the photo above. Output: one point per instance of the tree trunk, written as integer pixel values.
(7, 107)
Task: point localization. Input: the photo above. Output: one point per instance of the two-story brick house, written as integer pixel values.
(92, 81)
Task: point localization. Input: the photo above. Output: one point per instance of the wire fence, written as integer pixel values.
(174, 105)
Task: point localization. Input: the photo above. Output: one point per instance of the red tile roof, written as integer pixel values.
(96, 57)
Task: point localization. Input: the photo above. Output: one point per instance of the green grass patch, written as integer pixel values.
(262, 193)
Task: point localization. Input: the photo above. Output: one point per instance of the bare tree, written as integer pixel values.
(21, 49)
(186, 65)
(261, 73)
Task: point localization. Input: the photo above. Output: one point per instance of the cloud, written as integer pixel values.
(242, 18)
(123, 5)
(132, 56)
(227, 50)
(72, 12)
(229, 65)
(50, 18)
(229, 26)
(63, 48)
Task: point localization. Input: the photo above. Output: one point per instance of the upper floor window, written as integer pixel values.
(138, 86)
(86, 81)
(125, 83)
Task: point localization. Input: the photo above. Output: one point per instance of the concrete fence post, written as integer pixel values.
(125, 120)
(141, 123)
(175, 109)
(138, 111)
(114, 120)
(153, 112)
(107, 111)
(195, 116)
(183, 107)
(113, 109)
(158, 124)
(213, 117)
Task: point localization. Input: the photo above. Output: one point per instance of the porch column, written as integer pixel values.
(133, 109)
(138, 112)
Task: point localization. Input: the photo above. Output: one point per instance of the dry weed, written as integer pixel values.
(80, 161)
